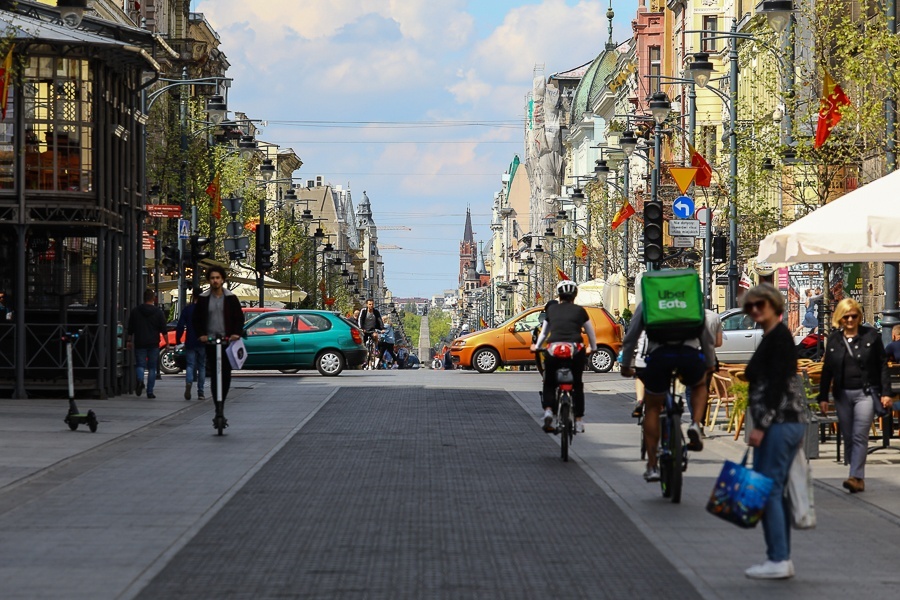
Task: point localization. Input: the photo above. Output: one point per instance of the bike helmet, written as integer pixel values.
(567, 286)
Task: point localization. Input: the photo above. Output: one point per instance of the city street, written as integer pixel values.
(395, 484)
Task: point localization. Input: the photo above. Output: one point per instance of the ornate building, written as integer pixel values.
(468, 257)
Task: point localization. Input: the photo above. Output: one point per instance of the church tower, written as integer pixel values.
(468, 253)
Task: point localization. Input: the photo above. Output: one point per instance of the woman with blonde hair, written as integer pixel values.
(855, 371)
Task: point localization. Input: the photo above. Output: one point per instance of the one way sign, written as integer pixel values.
(683, 207)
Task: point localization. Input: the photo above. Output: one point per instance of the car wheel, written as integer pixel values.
(167, 362)
(486, 360)
(330, 363)
(602, 360)
(289, 371)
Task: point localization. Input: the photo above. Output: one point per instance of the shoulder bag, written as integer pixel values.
(880, 410)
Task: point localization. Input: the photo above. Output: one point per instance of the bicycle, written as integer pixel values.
(564, 387)
(672, 455)
(371, 350)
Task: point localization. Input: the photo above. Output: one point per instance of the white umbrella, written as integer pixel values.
(863, 225)
(590, 293)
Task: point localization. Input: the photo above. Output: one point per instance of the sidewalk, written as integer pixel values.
(33, 436)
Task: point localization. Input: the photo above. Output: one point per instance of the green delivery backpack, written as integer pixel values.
(672, 305)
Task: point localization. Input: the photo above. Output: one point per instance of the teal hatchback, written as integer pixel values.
(290, 340)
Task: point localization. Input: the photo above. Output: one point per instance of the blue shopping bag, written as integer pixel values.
(740, 494)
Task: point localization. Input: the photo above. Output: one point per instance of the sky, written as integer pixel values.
(419, 103)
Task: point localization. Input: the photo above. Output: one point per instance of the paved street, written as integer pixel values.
(395, 485)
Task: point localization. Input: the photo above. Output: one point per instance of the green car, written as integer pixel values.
(291, 340)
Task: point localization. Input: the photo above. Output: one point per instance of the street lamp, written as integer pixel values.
(660, 107)
(701, 69)
(216, 108)
(778, 13)
(71, 12)
(628, 142)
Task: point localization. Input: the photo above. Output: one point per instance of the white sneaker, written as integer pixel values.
(651, 475)
(783, 569)
(579, 426)
(548, 420)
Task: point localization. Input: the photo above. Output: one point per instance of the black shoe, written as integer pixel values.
(638, 410)
(151, 396)
(139, 389)
(695, 444)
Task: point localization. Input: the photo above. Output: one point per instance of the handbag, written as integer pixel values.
(880, 410)
(740, 494)
(236, 353)
(799, 491)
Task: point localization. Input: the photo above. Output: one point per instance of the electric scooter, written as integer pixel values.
(219, 421)
(75, 418)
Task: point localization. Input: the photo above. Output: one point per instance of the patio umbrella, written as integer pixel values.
(861, 226)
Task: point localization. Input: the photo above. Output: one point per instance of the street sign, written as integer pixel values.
(721, 279)
(702, 214)
(683, 176)
(184, 229)
(684, 228)
(683, 242)
(234, 228)
(165, 211)
(683, 207)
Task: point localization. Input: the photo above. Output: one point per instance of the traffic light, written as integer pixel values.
(171, 260)
(263, 248)
(198, 248)
(720, 249)
(653, 231)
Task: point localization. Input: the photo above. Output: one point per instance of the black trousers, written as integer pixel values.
(211, 372)
(576, 364)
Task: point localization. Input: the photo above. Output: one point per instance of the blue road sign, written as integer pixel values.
(683, 207)
(184, 229)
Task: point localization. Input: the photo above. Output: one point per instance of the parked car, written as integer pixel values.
(740, 337)
(167, 362)
(510, 343)
(290, 340)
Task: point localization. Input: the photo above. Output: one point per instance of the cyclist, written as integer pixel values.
(687, 359)
(564, 322)
(370, 322)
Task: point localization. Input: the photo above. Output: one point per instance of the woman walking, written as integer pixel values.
(778, 423)
(854, 369)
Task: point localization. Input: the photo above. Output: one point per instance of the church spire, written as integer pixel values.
(468, 235)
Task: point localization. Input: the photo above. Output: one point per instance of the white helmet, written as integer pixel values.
(567, 286)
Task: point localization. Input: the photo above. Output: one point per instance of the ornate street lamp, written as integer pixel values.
(660, 107)
(701, 69)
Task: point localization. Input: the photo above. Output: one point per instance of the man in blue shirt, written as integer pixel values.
(194, 351)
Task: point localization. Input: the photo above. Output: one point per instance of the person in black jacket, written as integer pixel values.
(218, 313)
(854, 367)
(146, 324)
(778, 411)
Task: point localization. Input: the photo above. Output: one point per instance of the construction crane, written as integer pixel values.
(389, 247)
(393, 228)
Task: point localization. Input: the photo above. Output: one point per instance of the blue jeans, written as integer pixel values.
(146, 358)
(196, 367)
(773, 458)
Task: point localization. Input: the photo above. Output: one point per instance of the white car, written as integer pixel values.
(740, 337)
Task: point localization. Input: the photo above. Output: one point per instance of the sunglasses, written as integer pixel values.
(848, 317)
(751, 306)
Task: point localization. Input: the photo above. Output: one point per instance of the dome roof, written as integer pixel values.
(593, 82)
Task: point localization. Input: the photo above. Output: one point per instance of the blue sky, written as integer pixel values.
(418, 103)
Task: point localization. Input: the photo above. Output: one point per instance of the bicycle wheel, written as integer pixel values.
(564, 426)
(664, 458)
(676, 443)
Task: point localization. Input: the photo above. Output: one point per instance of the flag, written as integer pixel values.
(482, 323)
(833, 98)
(745, 281)
(296, 258)
(251, 224)
(214, 191)
(5, 72)
(538, 298)
(322, 285)
(704, 171)
(561, 274)
(622, 214)
(581, 250)
(329, 301)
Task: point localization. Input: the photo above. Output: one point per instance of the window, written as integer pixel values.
(313, 323)
(708, 143)
(710, 23)
(58, 98)
(271, 326)
(655, 66)
(530, 321)
(738, 322)
(60, 264)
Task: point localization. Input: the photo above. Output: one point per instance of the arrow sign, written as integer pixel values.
(683, 207)
(683, 176)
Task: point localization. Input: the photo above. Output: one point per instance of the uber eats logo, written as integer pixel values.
(669, 299)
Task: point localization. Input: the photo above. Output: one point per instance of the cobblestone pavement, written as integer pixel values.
(399, 493)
